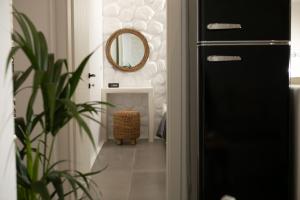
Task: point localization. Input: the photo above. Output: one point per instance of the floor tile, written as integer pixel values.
(116, 157)
(134, 172)
(148, 186)
(150, 157)
(114, 185)
(144, 143)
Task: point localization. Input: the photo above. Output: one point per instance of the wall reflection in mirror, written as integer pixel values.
(127, 50)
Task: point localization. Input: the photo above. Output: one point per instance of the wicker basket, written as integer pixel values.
(126, 126)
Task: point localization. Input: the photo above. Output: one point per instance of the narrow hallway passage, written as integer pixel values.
(134, 172)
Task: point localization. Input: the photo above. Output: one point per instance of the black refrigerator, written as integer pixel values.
(243, 59)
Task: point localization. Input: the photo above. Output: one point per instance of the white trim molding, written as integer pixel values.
(177, 96)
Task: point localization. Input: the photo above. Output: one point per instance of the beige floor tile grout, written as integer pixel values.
(148, 170)
(131, 171)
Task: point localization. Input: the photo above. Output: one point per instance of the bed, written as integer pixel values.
(162, 128)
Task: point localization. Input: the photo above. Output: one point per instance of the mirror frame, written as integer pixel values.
(136, 33)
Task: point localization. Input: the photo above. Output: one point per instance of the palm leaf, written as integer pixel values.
(38, 77)
(12, 52)
(20, 129)
(25, 29)
(49, 94)
(41, 188)
(57, 183)
(54, 165)
(82, 124)
(20, 44)
(36, 162)
(58, 67)
(74, 80)
(21, 78)
(23, 178)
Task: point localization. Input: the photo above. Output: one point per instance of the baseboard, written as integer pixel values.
(94, 158)
(98, 149)
(140, 138)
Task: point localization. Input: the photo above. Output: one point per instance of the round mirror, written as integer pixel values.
(127, 50)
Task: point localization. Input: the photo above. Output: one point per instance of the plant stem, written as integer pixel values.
(45, 151)
(50, 152)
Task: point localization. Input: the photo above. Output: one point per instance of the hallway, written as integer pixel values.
(134, 172)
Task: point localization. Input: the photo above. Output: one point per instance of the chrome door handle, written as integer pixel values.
(216, 58)
(223, 26)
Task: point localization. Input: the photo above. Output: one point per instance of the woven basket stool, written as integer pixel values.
(126, 126)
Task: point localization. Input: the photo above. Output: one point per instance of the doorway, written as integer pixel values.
(134, 75)
(68, 16)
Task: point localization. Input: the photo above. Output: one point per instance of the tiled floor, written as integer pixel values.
(134, 172)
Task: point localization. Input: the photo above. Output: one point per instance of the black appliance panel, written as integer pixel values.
(259, 20)
(245, 135)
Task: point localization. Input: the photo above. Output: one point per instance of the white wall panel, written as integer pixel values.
(7, 145)
(295, 53)
(87, 32)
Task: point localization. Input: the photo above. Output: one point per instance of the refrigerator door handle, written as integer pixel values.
(216, 58)
(223, 26)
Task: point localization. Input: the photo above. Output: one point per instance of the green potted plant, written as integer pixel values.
(37, 173)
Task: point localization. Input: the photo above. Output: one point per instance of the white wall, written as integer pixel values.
(148, 17)
(95, 65)
(72, 33)
(7, 145)
(87, 19)
(50, 11)
(21, 63)
(295, 58)
(296, 24)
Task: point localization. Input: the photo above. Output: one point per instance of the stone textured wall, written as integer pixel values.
(148, 17)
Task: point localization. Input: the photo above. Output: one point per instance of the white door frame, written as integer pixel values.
(176, 125)
(176, 175)
(177, 100)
